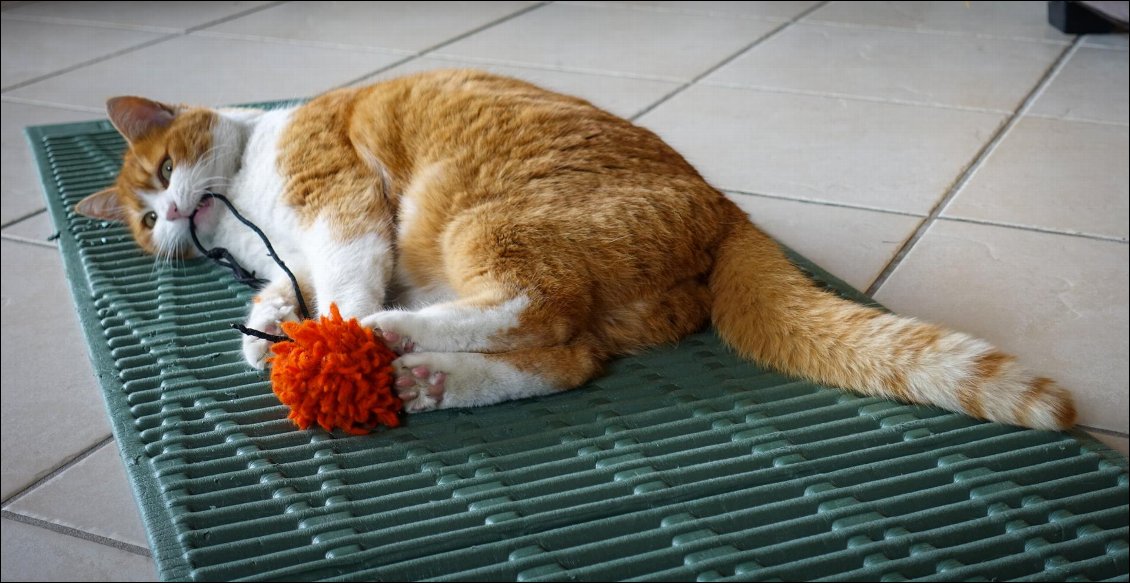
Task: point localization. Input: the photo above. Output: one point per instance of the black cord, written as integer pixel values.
(261, 334)
(224, 258)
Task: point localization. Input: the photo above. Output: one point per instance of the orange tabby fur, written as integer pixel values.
(615, 240)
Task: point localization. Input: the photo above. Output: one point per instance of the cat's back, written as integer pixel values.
(504, 126)
(442, 143)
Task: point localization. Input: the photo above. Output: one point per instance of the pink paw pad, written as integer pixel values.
(398, 343)
(420, 388)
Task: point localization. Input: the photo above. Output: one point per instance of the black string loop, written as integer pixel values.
(225, 259)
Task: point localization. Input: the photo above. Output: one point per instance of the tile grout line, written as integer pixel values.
(66, 465)
(93, 61)
(656, 9)
(19, 240)
(833, 204)
(231, 17)
(15, 99)
(1105, 47)
(773, 32)
(76, 533)
(40, 19)
(1117, 124)
(556, 68)
(302, 43)
(23, 218)
(854, 97)
(972, 168)
(134, 48)
(16, 4)
(445, 43)
(1046, 230)
(937, 32)
(823, 203)
(1108, 432)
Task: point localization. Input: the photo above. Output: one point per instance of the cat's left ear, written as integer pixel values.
(137, 117)
(104, 204)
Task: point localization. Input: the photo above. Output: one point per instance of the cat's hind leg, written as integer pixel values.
(513, 290)
(441, 380)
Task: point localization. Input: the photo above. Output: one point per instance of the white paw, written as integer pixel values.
(445, 380)
(399, 329)
(256, 350)
(267, 315)
(419, 384)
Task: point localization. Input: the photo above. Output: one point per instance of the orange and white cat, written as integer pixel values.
(523, 238)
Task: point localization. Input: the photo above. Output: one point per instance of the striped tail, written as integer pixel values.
(770, 312)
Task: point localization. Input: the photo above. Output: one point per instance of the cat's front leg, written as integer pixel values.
(274, 305)
(458, 326)
(352, 272)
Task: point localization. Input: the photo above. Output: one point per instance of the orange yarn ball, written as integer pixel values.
(335, 373)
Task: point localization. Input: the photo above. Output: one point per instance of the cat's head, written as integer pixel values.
(176, 154)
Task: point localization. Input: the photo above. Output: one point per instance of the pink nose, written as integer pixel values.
(172, 214)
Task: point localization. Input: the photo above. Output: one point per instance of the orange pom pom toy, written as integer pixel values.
(335, 373)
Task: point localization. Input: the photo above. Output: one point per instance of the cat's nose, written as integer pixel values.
(172, 213)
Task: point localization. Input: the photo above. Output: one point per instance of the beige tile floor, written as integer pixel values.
(963, 162)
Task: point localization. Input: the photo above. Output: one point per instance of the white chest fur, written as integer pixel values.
(256, 192)
(352, 271)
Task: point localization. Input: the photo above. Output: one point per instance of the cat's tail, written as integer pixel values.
(772, 313)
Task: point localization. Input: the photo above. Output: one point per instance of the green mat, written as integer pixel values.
(684, 463)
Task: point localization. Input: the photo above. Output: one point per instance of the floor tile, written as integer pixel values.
(211, 71)
(403, 26)
(623, 96)
(46, 370)
(34, 229)
(155, 16)
(1117, 443)
(898, 65)
(664, 45)
(1053, 174)
(1093, 85)
(783, 10)
(32, 553)
(34, 49)
(1006, 19)
(861, 153)
(68, 499)
(20, 190)
(1057, 302)
(852, 244)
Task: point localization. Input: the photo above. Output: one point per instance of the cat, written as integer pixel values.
(525, 238)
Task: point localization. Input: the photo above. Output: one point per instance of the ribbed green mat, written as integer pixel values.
(684, 463)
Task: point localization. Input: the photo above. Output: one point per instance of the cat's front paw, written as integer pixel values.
(267, 315)
(395, 328)
(257, 350)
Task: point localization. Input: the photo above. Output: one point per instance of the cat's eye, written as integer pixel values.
(149, 219)
(166, 171)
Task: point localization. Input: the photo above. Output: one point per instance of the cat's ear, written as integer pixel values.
(136, 117)
(104, 204)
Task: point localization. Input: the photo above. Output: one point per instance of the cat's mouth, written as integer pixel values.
(203, 208)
